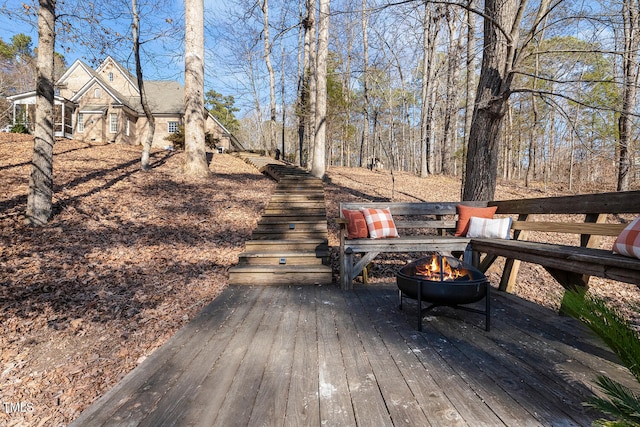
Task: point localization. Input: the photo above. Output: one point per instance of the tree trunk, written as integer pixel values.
(40, 198)
(196, 157)
(491, 98)
(631, 16)
(272, 79)
(302, 86)
(364, 143)
(318, 167)
(148, 141)
(312, 76)
(451, 102)
(429, 37)
(470, 83)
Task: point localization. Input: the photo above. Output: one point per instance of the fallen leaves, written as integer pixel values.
(127, 260)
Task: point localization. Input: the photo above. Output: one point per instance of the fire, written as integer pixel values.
(432, 269)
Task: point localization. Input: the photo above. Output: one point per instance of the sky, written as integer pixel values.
(166, 63)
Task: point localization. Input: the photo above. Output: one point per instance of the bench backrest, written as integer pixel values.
(594, 207)
(417, 215)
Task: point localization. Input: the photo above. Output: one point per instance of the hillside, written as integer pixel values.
(130, 257)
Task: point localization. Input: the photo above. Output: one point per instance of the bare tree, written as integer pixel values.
(470, 80)
(630, 69)
(429, 36)
(264, 7)
(318, 167)
(196, 160)
(148, 141)
(40, 198)
(365, 82)
(502, 25)
(310, 50)
(451, 102)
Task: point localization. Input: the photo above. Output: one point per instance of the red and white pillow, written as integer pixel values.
(379, 223)
(628, 242)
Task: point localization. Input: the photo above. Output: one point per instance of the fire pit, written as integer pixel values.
(443, 281)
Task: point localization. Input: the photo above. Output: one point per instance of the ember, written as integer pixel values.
(438, 268)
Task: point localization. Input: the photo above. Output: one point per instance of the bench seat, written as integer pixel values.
(370, 248)
(561, 259)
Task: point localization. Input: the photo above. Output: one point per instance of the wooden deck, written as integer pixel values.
(316, 355)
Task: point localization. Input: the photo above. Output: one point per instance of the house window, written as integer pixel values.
(110, 77)
(80, 127)
(113, 123)
(97, 93)
(173, 127)
(127, 128)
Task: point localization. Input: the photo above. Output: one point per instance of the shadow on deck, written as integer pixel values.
(316, 355)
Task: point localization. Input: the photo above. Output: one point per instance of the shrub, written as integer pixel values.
(19, 128)
(177, 139)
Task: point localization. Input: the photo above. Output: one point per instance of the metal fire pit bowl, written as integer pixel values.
(466, 289)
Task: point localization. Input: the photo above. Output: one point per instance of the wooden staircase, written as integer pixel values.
(290, 244)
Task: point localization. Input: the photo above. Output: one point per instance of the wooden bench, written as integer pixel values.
(413, 221)
(570, 265)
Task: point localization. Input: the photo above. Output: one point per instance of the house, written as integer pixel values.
(103, 105)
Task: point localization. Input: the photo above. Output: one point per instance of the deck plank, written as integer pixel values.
(445, 381)
(335, 399)
(271, 400)
(241, 396)
(368, 403)
(492, 371)
(205, 403)
(303, 404)
(400, 400)
(316, 355)
(141, 389)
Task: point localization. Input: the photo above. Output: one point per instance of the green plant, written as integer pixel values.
(19, 128)
(177, 138)
(621, 402)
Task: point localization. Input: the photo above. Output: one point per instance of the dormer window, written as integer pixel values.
(110, 77)
(97, 93)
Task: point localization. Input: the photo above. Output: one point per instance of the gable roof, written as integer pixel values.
(117, 97)
(133, 80)
(76, 64)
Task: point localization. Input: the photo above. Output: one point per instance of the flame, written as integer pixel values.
(431, 270)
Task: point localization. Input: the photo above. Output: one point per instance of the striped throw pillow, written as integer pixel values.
(498, 228)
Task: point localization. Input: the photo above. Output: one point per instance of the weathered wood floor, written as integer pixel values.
(315, 355)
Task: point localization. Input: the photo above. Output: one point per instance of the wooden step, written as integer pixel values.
(292, 217)
(288, 245)
(292, 197)
(262, 234)
(292, 182)
(282, 258)
(275, 225)
(280, 275)
(295, 211)
(313, 204)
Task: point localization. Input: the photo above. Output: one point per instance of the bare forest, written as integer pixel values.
(407, 83)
